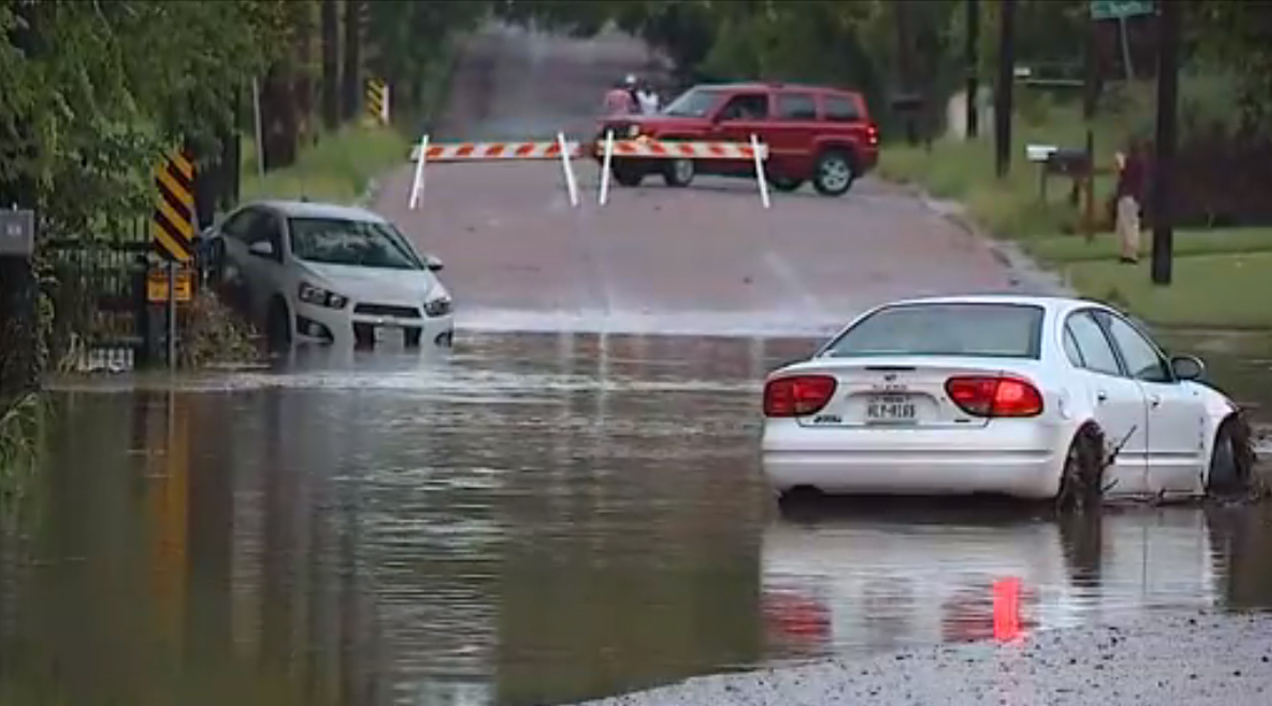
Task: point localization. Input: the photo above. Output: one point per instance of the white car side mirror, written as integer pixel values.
(1187, 367)
(262, 248)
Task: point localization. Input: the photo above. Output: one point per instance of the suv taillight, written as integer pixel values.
(995, 396)
(872, 134)
(797, 395)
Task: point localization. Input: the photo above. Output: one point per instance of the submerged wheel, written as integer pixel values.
(1231, 459)
(1082, 482)
(278, 327)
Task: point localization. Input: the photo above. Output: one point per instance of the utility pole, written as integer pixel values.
(352, 59)
(1164, 161)
(330, 65)
(1090, 97)
(1002, 91)
(970, 54)
(905, 65)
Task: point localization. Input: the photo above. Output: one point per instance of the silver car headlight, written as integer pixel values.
(321, 297)
(440, 306)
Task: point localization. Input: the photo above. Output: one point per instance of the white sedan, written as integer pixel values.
(1033, 397)
(320, 273)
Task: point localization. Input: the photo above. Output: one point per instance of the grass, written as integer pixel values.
(1011, 207)
(1223, 278)
(1060, 249)
(1208, 291)
(20, 442)
(338, 168)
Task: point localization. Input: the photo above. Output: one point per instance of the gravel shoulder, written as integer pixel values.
(1194, 659)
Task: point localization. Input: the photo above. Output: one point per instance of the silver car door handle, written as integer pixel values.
(1102, 396)
(1155, 400)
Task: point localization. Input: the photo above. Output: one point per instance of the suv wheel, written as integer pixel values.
(679, 172)
(834, 173)
(784, 183)
(626, 174)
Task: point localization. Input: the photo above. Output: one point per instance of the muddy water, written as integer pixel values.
(529, 520)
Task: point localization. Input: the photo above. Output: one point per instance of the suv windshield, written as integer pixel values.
(343, 242)
(693, 103)
(976, 330)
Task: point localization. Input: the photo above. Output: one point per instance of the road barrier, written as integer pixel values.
(650, 149)
(561, 149)
(566, 151)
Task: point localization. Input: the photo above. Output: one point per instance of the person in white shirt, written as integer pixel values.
(648, 98)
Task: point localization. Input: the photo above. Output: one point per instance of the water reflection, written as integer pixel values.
(900, 574)
(529, 520)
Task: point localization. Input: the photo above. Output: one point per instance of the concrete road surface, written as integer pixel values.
(703, 260)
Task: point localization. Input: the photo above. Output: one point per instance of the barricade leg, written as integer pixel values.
(417, 184)
(759, 169)
(605, 166)
(570, 184)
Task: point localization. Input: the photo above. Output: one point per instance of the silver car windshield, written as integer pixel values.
(338, 241)
(954, 329)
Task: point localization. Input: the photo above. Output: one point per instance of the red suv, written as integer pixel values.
(823, 135)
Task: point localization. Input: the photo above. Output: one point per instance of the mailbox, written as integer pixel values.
(1068, 161)
(17, 233)
(907, 103)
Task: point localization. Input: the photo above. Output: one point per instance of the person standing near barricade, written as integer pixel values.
(619, 100)
(648, 99)
(1131, 177)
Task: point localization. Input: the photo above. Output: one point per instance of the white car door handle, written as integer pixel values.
(1155, 400)
(1102, 396)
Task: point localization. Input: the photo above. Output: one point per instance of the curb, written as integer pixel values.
(1027, 274)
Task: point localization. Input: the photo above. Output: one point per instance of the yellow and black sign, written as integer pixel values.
(377, 102)
(157, 286)
(172, 227)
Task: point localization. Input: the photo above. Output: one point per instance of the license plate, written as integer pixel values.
(890, 408)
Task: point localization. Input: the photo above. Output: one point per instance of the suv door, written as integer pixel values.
(791, 134)
(1118, 401)
(743, 115)
(1176, 415)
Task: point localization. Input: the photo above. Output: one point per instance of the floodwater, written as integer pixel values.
(531, 519)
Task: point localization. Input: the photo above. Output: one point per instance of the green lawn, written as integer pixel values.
(1207, 291)
(338, 168)
(1223, 277)
(1058, 249)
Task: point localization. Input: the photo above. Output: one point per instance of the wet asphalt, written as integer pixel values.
(568, 505)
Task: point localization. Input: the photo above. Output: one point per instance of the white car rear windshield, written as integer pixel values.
(337, 241)
(954, 329)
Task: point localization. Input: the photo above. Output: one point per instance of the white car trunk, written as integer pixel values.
(899, 391)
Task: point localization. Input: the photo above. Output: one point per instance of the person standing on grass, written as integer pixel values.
(1132, 173)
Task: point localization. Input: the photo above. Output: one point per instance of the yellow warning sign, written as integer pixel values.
(172, 227)
(377, 104)
(157, 286)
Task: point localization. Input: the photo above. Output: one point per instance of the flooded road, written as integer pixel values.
(533, 519)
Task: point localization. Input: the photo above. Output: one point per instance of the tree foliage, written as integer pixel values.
(95, 90)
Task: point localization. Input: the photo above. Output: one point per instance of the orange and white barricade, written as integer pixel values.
(560, 148)
(645, 148)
